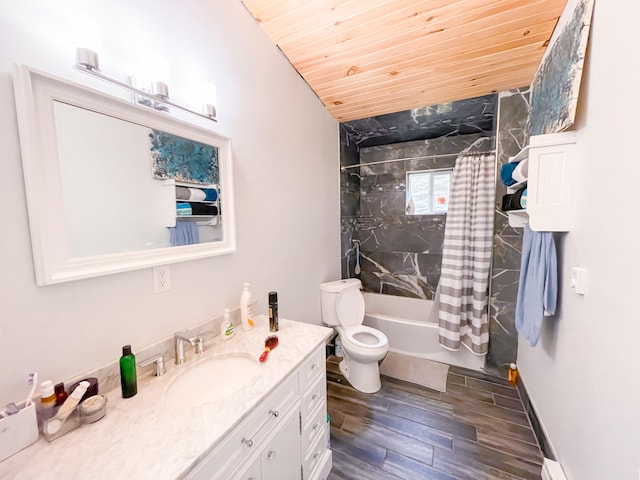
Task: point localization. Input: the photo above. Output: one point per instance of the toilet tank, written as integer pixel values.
(328, 295)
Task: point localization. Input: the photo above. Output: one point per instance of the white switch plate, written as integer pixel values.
(579, 280)
(161, 279)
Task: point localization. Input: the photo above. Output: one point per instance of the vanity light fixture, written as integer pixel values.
(156, 97)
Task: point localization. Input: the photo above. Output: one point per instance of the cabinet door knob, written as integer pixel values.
(247, 442)
(316, 427)
(315, 397)
(271, 455)
(314, 366)
(316, 455)
(275, 413)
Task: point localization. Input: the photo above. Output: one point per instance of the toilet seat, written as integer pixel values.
(365, 337)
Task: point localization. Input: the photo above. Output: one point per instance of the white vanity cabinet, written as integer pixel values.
(284, 438)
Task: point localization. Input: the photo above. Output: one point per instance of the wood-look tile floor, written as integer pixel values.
(477, 430)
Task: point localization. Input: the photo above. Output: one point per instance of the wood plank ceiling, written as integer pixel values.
(370, 57)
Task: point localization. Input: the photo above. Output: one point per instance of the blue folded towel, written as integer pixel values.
(506, 171)
(538, 288)
(183, 208)
(211, 194)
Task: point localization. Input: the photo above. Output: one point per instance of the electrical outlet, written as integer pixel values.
(161, 279)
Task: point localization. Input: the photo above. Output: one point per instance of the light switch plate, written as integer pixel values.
(579, 280)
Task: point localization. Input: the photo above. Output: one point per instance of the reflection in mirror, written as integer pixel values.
(114, 200)
(112, 186)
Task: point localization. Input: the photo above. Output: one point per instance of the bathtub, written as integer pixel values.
(404, 321)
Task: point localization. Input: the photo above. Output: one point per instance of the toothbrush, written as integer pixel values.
(33, 381)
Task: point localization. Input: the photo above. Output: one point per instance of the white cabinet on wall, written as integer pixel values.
(551, 164)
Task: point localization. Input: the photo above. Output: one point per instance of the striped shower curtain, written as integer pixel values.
(466, 257)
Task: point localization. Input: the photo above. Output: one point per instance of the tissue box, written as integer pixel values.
(18, 431)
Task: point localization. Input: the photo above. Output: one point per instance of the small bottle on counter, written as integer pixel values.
(273, 312)
(128, 376)
(226, 327)
(61, 394)
(246, 308)
(512, 375)
(47, 400)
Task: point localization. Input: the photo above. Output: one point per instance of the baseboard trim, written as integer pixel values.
(543, 441)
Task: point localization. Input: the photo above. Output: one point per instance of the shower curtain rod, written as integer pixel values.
(486, 152)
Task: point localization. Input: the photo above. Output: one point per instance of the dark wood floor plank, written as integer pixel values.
(337, 406)
(347, 392)
(347, 467)
(420, 401)
(464, 392)
(455, 379)
(463, 468)
(497, 425)
(479, 375)
(508, 402)
(376, 434)
(462, 406)
(409, 387)
(493, 458)
(455, 427)
(412, 429)
(357, 447)
(510, 445)
(506, 390)
(408, 468)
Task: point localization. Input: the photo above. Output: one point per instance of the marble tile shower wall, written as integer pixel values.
(513, 107)
(402, 254)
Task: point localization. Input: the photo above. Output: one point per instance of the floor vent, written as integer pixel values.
(551, 470)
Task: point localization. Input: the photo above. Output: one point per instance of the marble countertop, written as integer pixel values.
(143, 437)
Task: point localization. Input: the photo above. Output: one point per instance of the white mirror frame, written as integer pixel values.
(35, 93)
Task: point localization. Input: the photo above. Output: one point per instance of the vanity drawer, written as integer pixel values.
(313, 428)
(315, 457)
(249, 436)
(312, 368)
(315, 396)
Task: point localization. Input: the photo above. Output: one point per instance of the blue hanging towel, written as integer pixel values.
(538, 288)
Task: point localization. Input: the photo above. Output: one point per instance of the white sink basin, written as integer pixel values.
(212, 379)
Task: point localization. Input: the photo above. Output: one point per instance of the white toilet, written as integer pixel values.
(342, 307)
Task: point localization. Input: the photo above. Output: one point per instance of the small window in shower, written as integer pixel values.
(428, 192)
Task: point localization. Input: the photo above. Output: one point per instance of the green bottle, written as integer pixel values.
(128, 378)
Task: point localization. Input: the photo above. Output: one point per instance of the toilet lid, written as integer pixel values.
(350, 307)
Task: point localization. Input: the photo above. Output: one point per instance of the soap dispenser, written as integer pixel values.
(226, 327)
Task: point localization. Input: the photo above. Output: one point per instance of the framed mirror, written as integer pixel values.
(113, 186)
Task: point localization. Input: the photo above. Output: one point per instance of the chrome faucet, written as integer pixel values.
(158, 361)
(181, 339)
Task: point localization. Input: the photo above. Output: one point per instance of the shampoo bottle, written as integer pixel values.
(226, 327)
(246, 308)
(128, 377)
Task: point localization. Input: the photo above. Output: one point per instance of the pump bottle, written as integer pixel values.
(246, 308)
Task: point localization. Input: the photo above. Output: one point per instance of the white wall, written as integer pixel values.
(584, 375)
(285, 147)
